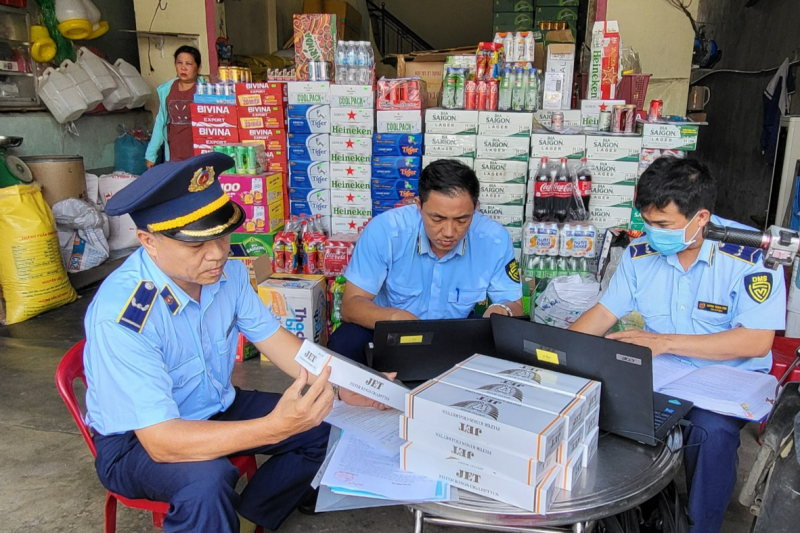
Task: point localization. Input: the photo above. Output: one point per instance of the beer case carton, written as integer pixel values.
(347, 224)
(493, 171)
(269, 91)
(299, 303)
(397, 144)
(487, 419)
(318, 204)
(271, 140)
(557, 146)
(262, 218)
(351, 375)
(510, 21)
(608, 200)
(229, 134)
(351, 149)
(590, 111)
(573, 468)
(548, 379)
(604, 65)
(513, 6)
(451, 121)
(309, 93)
(637, 222)
(262, 122)
(589, 446)
(561, 58)
(362, 130)
(403, 121)
(308, 118)
(506, 215)
(543, 118)
(276, 111)
(383, 205)
(352, 96)
(351, 184)
(388, 167)
(479, 479)
(614, 172)
(352, 115)
(351, 170)
(450, 145)
(398, 188)
(502, 193)
(428, 159)
(448, 446)
(613, 147)
(619, 190)
(670, 137)
(253, 246)
(214, 99)
(504, 124)
(300, 194)
(502, 148)
(609, 217)
(352, 211)
(397, 195)
(250, 190)
(309, 146)
(309, 174)
(348, 198)
(213, 115)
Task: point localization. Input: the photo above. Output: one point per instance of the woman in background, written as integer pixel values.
(173, 121)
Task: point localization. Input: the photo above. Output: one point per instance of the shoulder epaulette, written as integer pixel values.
(641, 250)
(135, 313)
(747, 254)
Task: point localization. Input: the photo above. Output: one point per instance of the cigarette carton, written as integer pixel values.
(397, 144)
(592, 421)
(502, 193)
(428, 159)
(351, 375)
(487, 419)
(506, 215)
(352, 211)
(347, 224)
(573, 468)
(409, 121)
(298, 303)
(396, 167)
(614, 172)
(590, 111)
(309, 93)
(309, 118)
(493, 171)
(502, 148)
(351, 198)
(253, 189)
(351, 170)
(557, 146)
(589, 447)
(670, 137)
(351, 149)
(613, 148)
(604, 60)
(351, 184)
(502, 124)
(309, 174)
(358, 96)
(451, 121)
(556, 381)
(571, 444)
(309, 146)
(447, 446)
(262, 218)
(450, 145)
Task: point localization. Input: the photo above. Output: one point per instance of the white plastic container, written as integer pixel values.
(120, 97)
(138, 88)
(97, 71)
(89, 91)
(61, 96)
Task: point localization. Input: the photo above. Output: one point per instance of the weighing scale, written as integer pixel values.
(13, 171)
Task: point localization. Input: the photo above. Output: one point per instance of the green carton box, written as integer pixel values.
(557, 13)
(557, 3)
(255, 245)
(670, 136)
(513, 6)
(501, 28)
(516, 20)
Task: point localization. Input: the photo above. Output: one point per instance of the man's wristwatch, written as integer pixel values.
(505, 307)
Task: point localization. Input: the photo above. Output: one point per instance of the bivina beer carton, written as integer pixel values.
(343, 171)
(428, 159)
(502, 148)
(309, 175)
(451, 121)
(503, 124)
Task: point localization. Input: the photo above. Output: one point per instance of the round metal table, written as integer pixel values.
(621, 476)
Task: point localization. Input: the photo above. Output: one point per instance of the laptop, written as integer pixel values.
(419, 350)
(628, 405)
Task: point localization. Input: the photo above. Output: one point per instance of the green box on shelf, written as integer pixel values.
(557, 13)
(557, 3)
(516, 20)
(513, 6)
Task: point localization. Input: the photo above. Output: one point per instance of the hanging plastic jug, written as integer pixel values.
(89, 91)
(43, 47)
(120, 97)
(97, 71)
(138, 88)
(99, 27)
(61, 96)
(73, 19)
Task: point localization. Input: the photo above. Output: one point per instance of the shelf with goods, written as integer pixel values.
(17, 70)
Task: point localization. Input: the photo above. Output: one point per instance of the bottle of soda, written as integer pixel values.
(542, 193)
(506, 87)
(562, 266)
(532, 92)
(562, 193)
(585, 184)
(518, 91)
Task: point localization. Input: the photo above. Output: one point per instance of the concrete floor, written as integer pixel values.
(48, 478)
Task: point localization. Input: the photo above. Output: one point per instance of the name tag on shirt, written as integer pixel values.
(714, 308)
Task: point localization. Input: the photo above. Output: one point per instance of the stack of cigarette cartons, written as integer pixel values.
(510, 432)
(501, 164)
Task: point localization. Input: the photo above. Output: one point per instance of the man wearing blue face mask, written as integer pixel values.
(706, 302)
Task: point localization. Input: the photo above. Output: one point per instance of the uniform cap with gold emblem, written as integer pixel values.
(182, 200)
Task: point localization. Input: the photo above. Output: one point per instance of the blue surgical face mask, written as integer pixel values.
(669, 241)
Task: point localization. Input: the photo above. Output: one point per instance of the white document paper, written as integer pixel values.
(668, 368)
(358, 469)
(377, 428)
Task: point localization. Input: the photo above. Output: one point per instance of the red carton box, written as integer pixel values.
(253, 190)
(258, 123)
(214, 115)
(261, 94)
(314, 40)
(245, 349)
(202, 146)
(277, 111)
(262, 218)
(273, 140)
(229, 134)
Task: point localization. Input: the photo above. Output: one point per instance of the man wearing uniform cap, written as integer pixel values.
(161, 335)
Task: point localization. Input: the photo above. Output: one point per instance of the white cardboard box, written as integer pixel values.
(493, 171)
(347, 224)
(399, 121)
(589, 447)
(348, 116)
(346, 145)
(351, 211)
(670, 136)
(517, 467)
(504, 124)
(561, 58)
(351, 198)
(297, 304)
(451, 121)
(622, 191)
(428, 159)
(592, 421)
(590, 111)
(350, 170)
(573, 468)
(358, 96)
(502, 148)
(613, 148)
(486, 419)
(309, 92)
(502, 193)
(572, 118)
(351, 375)
(352, 184)
(609, 217)
(614, 171)
(437, 144)
(608, 200)
(506, 215)
(556, 146)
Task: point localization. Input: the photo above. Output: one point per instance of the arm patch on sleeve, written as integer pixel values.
(758, 286)
(512, 269)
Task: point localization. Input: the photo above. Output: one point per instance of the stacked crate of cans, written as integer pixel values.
(309, 126)
(397, 144)
(261, 110)
(501, 163)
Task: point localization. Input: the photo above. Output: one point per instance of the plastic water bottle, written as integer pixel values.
(341, 61)
(532, 92)
(363, 64)
(352, 63)
(506, 87)
(370, 63)
(518, 90)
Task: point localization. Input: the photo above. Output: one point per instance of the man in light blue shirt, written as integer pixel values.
(161, 338)
(706, 302)
(432, 260)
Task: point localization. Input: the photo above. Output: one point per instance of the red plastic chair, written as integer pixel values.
(70, 369)
(783, 355)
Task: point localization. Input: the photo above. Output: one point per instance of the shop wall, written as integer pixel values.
(752, 39)
(116, 44)
(445, 23)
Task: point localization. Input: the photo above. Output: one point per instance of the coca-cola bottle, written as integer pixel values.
(562, 193)
(585, 184)
(542, 193)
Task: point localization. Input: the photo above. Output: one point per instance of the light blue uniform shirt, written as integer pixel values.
(155, 354)
(393, 260)
(726, 287)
